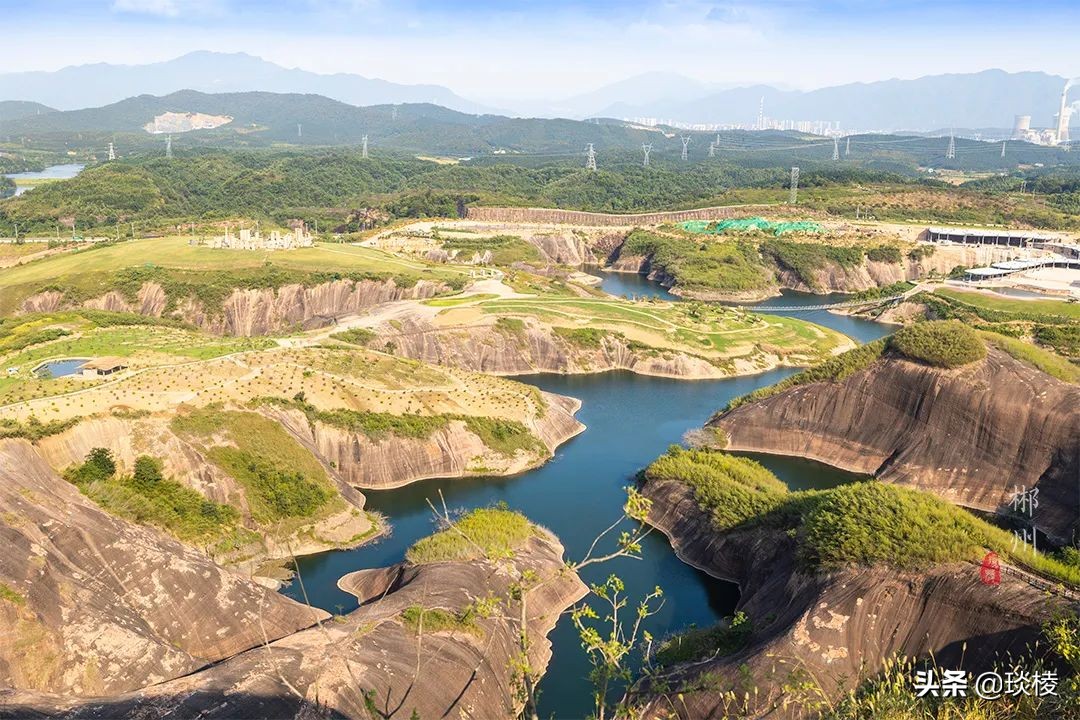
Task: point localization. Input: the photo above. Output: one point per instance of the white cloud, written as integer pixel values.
(165, 8)
(168, 8)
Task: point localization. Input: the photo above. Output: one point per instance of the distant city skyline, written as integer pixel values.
(500, 52)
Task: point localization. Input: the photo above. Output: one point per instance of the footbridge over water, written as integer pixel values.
(872, 302)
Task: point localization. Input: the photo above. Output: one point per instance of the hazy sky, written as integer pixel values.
(487, 50)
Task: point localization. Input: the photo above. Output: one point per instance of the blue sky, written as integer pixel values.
(488, 50)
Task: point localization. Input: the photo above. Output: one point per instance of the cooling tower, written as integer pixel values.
(1021, 127)
(1065, 112)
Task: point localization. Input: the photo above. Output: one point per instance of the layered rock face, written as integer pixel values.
(94, 605)
(972, 435)
(372, 659)
(835, 629)
(454, 451)
(485, 348)
(255, 312)
(186, 462)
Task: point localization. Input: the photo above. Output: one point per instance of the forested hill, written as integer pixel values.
(264, 119)
(18, 109)
(328, 185)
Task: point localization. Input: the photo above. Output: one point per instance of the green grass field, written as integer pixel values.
(91, 269)
(146, 345)
(1012, 305)
(698, 328)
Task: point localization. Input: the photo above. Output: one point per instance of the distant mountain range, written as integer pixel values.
(95, 85)
(259, 119)
(988, 99)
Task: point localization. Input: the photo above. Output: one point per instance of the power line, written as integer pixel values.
(590, 158)
(794, 197)
(685, 141)
(646, 149)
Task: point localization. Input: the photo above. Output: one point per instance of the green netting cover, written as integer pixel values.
(751, 223)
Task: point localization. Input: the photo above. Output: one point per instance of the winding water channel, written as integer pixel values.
(631, 419)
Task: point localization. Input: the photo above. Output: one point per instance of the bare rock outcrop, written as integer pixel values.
(373, 656)
(251, 312)
(94, 605)
(971, 435)
(453, 451)
(187, 463)
(835, 628)
(535, 348)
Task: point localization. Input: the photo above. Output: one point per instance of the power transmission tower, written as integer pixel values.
(836, 148)
(363, 147)
(847, 148)
(646, 149)
(761, 114)
(112, 152)
(1003, 148)
(712, 149)
(590, 158)
(393, 113)
(794, 198)
(950, 154)
(299, 130)
(685, 141)
(168, 146)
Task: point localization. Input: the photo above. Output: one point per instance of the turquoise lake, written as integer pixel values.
(630, 420)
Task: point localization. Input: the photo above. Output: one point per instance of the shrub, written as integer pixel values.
(510, 326)
(147, 498)
(98, 466)
(1046, 361)
(438, 620)
(589, 338)
(355, 336)
(33, 429)
(492, 533)
(700, 643)
(942, 343)
(833, 369)
(885, 253)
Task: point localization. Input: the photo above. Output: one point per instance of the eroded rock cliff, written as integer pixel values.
(94, 605)
(816, 634)
(250, 312)
(375, 657)
(972, 435)
(484, 347)
(392, 460)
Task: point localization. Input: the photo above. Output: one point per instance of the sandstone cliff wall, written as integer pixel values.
(970, 435)
(253, 312)
(485, 348)
(837, 628)
(393, 461)
(104, 606)
(327, 671)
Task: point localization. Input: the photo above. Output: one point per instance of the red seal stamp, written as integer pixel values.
(990, 570)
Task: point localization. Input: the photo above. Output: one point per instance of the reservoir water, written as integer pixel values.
(630, 420)
(54, 172)
(59, 368)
